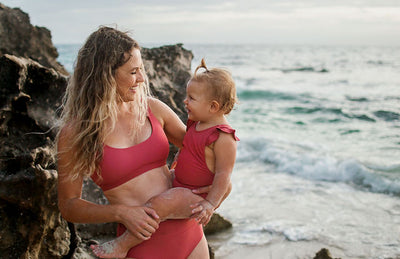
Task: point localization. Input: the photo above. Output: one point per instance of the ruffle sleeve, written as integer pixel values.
(215, 134)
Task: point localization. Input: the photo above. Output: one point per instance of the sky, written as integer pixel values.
(316, 22)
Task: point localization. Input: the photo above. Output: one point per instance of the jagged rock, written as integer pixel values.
(217, 224)
(324, 254)
(18, 37)
(29, 87)
(31, 225)
(27, 112)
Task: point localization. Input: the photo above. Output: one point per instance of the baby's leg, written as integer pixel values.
(171, 204)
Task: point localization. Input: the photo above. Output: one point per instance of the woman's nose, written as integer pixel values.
(140, 77)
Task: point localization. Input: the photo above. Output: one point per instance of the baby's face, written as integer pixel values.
(197, 101)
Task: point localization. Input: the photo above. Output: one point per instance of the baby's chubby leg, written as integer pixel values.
(171, 204)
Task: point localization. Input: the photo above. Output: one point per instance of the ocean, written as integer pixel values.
(318, 162)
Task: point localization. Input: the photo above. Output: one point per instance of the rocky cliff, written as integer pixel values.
(18, 37)
(31, 226)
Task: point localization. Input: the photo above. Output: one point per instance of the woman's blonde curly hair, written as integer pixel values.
(90, 102)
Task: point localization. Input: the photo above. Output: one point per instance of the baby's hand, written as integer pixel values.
(202, 212)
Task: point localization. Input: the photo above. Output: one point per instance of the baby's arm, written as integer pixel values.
(206, 189)
(225, 155)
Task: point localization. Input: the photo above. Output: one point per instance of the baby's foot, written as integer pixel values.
(109, 250)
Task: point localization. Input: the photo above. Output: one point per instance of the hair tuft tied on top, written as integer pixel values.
(202, 65)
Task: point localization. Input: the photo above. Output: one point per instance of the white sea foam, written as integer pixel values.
(291, 231)
(314, 165)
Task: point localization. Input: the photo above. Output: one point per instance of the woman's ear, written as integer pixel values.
(214, 106)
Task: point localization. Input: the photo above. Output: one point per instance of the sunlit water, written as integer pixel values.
(319, 156)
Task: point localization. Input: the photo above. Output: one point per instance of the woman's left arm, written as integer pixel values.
(173, 126)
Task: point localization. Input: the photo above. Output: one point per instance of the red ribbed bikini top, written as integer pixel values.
(119, 165)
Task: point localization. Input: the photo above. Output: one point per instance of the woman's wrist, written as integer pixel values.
(119, 212)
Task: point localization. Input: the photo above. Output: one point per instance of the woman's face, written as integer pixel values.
(129, 76)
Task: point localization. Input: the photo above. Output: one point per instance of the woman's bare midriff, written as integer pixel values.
(140, 189)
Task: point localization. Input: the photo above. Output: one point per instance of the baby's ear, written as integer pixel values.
(214, 106)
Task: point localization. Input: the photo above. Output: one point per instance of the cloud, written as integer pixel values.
(239, 21)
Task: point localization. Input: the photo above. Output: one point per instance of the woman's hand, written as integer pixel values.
(202, 211)
(141, 221)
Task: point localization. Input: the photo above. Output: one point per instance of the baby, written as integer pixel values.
(209, 147)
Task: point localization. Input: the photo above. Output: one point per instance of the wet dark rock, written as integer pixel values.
(18, 37)
(217, 224)
(323, 254)
(31, 225)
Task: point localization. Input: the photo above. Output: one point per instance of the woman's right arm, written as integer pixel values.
(140, 221)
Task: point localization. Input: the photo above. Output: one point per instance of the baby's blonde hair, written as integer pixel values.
(220, 85)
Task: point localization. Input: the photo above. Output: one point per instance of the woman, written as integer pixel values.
(113, 132)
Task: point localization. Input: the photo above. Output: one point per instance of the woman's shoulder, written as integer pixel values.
(155, 104)
(158, 108)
